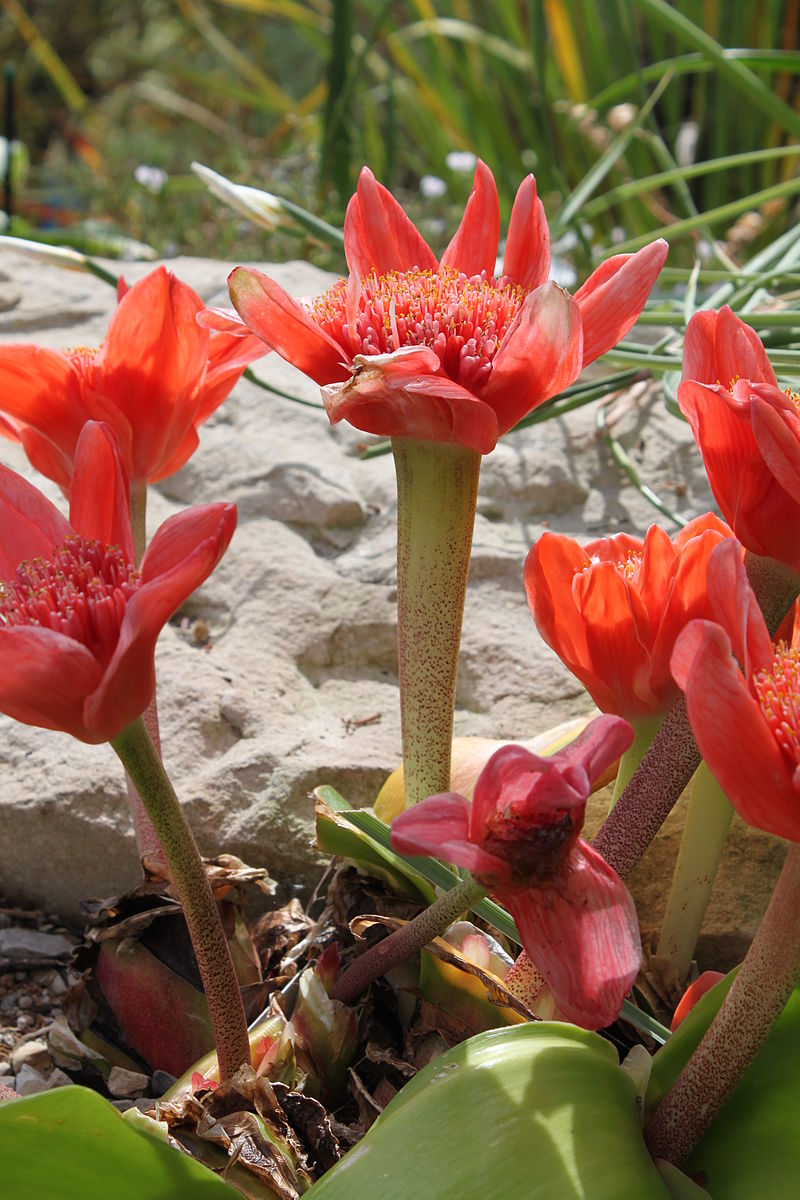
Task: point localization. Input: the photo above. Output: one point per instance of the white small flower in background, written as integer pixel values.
(618, 235)
(621, 116)
(154, 179)
(462, 161)
(432, 186)
(686, 143)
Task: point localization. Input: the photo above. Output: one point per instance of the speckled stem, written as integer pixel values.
(756, 999)
(407, 940)
(437, 490)
(673, 757)
(148, 845)
(140, 759)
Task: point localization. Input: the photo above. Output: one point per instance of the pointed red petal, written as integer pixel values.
(378, 236)
(540, 355)
(439, 827)
(699, 348)
(613, 297)
(474, 247)
(99, 497)
(739, 352)
(31, 525)
(527, 254)
(735, 608)
(731, 732)
(583, 936)
(45, 678)
(286, 327)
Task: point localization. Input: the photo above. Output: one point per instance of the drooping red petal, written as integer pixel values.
(734, 607)
(527, 254)
(228, 355)
(474, 247)
(99, 496)
(540, 355)
(44, 679)
(404, 394)
(583, 936)
(378, 236)
(776, 429)
(223, 320)
(731, 732)
(601, 743)
(183, 553)
(614, 295)
(286, 327)
(439, 826)
(30, 526)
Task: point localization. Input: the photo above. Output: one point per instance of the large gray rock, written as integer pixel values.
(280, 673)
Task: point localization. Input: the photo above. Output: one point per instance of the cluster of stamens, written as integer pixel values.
(81, 592)
(463, 319)
(778, 692)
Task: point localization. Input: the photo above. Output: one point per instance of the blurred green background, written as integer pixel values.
(634, 116)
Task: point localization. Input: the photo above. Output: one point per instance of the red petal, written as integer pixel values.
(31, 525)
(700, 350)
(735, 608)
(551, 566)
(601, 743)
(618, 637)
(693, 993)
(183, 553)
(223, 320)
(613, 297)
(739, 352)
(583, 936)
(731, 732)
(45, 678)
(286, 327)
(540, 355)
(99, 496)
(402, 394)
(776, 429)
(378, 236)
(527, 254)
(474, 248)
(439, 827)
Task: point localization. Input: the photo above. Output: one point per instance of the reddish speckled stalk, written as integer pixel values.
(437, 489)
(757, 997)
(140, 759)
(673, 757)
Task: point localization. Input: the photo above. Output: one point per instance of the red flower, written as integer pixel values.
(611, 610)
(519, 838)
(748, 432)
(443, 350)
(746, 720)
(156, 378)
(78, 623)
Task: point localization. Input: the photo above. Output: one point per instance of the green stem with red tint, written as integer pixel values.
(645, 729)
(407, 940)
(140, 759)
(437, 490)
(757, 997)
(147, 843)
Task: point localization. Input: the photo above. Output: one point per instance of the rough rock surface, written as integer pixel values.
(280, 673)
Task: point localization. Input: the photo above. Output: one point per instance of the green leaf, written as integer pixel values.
(537, 1112)
(71, 1144)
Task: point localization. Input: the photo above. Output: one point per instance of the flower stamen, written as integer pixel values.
(778, 692)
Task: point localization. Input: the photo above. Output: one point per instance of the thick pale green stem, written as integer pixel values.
(140, 759)
(407, 940)
(757, 998)
(150, 852)
(437, 489)
(644, 730)
(705, 833)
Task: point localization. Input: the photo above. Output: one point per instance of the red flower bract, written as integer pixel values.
(78, 623)
(156, 378)
(612, 609)
(442, 350)
(747, 430)
(745, 719)
(519, 838)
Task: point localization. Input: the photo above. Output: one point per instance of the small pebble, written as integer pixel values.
(25, 1002)
(24, 1021)
(121, 1082)
(162, 1080)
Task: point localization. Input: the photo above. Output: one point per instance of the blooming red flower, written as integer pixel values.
(443, 350)
(156, 378)
(519, 838)
(612, 609)
(747, 430)
(746, 720)
(78, 622)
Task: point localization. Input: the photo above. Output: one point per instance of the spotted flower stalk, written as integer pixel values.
(443, 356)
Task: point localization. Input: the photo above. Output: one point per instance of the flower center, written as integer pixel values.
(81, 592)
(535, 846)
(463, 319)
(778, 692)
(795, 399)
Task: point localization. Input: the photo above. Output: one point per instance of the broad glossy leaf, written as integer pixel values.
(71, 1144)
